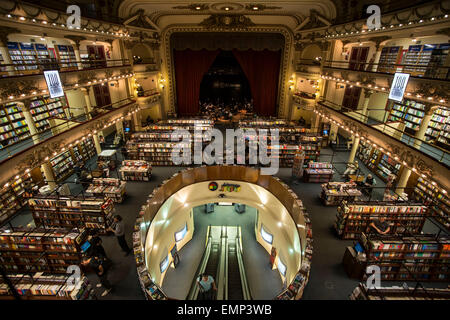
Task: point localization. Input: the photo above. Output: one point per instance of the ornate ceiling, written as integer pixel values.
(162, 13)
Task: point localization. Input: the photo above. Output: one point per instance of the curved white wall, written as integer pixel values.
(176, 211)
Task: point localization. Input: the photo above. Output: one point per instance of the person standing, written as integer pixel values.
(119, 232)
(207, 286)
(96, 264)
(369, 183)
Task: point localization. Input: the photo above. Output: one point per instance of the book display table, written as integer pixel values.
(107, 187)
(135, 170)
(334, 192)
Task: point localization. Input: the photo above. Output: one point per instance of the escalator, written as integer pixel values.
(223, 261)
(234, 275)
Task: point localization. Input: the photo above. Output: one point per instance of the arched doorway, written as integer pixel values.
(225, 82)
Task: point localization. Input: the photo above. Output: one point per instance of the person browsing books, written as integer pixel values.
(381, 226)
(97, 265)
(119, 232)
(207, 286)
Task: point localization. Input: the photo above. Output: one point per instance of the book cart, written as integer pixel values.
(107, 188)
(135, 170)
(25, 250)
(418, 257)
(41, 286)
(354, 218)
(71, 212)
(362, 292)
(318, 172)
(334, 192)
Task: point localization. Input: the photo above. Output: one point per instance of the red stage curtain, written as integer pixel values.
(190, 67)
(262, 70)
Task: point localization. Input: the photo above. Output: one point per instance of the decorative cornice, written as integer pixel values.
(4, 32)
(261, 7)
(17, 88)
(193, 7)
(228, 21)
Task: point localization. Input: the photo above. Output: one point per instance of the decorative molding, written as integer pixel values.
(17, 88)
(76, 40)
(378, 40)
(229, 21)
(261, 7)
(4, 32)
(193, 7)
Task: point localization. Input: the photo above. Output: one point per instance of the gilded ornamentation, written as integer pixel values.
(261, 7)
(229, 21)
(18, 87)
(193, 7)
(411, 160)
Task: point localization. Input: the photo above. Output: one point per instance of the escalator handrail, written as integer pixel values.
(244, 282)
(193, 293)
(221, 274)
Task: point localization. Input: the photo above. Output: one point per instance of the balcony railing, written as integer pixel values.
(439, 154)
(429, 71)
(31, 67)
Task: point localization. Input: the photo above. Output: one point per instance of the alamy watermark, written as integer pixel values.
(374, 20)
(74, 18)
(257, 144)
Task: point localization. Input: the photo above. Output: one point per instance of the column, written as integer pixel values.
(4, 32)
(420, 134)
(403, 180)
(49, 175)
(119, 127)
(376, 58)
(137, 124)
(333, 131)
(87, 99)
(30, 121)
(355, 145)
(98, 148)
(76, 49)
(363, 114)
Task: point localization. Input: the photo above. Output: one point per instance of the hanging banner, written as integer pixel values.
(54, 84)
(398, 86)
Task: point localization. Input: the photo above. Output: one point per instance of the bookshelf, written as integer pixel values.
(152, 291)
(364, 152)
(298, 164)
(40, 250)
(285, 152)
(410, 112)
(386, 166)
(62, 165)
(408, 258)
(437, 123)
(311, 146)
(69, 212)
(437, 202)
(388, 59)
(135, 170)
(318, 172)
(44, 108)
(439, 58)
(334, 192)
(417, 58)
(362, 292)
(67, 57)
(25, 56)
(107, 187)
(87, 149)
(41, 286)
(354, 218)
(12, 198)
